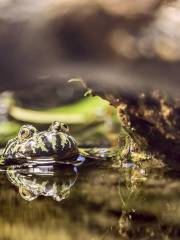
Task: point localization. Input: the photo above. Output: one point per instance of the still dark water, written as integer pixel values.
(98, 200)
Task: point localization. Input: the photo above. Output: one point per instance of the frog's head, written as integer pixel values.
(26, 132)
(31, 144)
(59, 127)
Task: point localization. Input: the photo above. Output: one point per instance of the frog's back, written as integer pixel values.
(46, 144)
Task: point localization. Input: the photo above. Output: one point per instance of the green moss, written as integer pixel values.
(89, 109)
(8, 130)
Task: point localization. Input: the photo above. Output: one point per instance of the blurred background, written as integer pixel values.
(113, 44)
(123, 58)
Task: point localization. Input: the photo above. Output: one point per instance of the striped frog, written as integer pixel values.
(31, 144)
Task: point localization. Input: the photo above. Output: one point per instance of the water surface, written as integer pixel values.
(100, 199)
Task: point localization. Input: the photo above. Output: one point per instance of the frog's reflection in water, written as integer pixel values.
(34, 180)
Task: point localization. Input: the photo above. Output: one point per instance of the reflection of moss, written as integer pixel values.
(131, 147)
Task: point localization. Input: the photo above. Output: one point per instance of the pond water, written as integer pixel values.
(98, 199)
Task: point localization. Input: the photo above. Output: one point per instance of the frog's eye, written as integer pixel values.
(64, 128)
(57, 126)
(26, 132)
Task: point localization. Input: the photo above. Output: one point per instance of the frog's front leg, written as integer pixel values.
(8, 145)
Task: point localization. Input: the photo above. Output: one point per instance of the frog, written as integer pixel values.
(31, 144)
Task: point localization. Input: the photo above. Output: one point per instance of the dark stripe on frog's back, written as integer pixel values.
(38, 151)
(43, 137)
(60, 150)
(40, 138)
(70, 149)
(50, 146)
